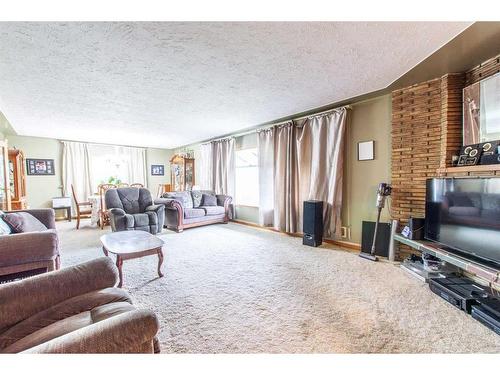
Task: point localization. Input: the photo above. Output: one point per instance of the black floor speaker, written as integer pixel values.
(313, 223)
(383, 238)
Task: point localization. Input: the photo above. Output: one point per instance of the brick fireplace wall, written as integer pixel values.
(426, 132)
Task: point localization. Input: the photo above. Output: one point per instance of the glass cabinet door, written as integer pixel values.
(189, 163)
(181, 173)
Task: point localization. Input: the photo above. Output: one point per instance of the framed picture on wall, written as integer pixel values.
(366, 150)
(40, 167)
(157, 170)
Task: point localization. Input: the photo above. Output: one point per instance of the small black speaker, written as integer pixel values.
(416, 226)
(313, 223)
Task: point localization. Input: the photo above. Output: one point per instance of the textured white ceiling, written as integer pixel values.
(168, 84)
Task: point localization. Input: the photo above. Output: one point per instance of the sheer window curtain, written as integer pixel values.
(206, 173)
(136, 164)
(265, 147)
(76, 170)
(81, 162)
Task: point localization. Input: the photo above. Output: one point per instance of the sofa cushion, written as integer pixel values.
(464, 211)
(28, 248)
(70, 307)
(183, 196)
(22, 222)
(4, 227)
(213, 210)
(209, 200)
(69, 324)
(190, 213)
(197, 195)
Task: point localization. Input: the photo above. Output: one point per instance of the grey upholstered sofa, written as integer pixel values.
(186, 209)
(132, 208)
(24, 254)
(74, 310)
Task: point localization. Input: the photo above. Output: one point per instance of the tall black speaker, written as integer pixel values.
(313, 223)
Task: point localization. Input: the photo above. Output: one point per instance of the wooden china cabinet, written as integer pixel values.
(17, 179)
(4, 177)
(181, 173)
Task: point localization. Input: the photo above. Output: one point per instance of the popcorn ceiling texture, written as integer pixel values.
(167, 84)
(236, 289)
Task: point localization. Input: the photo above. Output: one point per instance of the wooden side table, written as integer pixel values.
(68, 211)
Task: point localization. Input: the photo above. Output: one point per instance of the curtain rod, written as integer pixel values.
(104, 144)
(270, 125)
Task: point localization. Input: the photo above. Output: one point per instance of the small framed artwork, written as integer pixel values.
(157, 170)
(40, 167)
(366, 150)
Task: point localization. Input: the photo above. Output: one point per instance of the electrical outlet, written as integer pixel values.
(344, 232)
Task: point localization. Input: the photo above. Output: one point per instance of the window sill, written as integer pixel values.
(245, 205)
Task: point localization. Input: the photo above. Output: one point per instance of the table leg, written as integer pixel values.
(119, 264)
(68, 213)
(160, 261)
(105, 251)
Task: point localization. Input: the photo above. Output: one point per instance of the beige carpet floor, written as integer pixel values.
(237, 289)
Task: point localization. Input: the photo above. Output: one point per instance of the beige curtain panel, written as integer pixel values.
(218, 159)
(307, 163)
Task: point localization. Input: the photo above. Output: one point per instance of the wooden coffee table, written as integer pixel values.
(132, 244)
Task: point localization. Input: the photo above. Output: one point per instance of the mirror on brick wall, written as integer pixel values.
(481, 111)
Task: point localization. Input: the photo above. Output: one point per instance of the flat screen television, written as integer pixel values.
(463, 215)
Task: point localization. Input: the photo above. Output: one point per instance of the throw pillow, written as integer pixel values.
(209, 200)
(197, 196)
(22, 222)
(183, 196)
(4, 227)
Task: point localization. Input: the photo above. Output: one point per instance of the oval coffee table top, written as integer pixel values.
(131, 241)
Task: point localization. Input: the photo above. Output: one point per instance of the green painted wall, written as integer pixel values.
(158, 156)
(40, 189)
(370, 120)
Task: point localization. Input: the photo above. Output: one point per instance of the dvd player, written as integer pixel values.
(461, 292)
(487, 317)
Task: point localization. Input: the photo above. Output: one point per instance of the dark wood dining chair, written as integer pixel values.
(83, 209)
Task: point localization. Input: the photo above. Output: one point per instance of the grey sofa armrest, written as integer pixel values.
(170, 204)
(117, 212)
(223, 200)
(46, 215)
(159, 209)
(28, 247)
(155, 208)
(130, 332)
(22, 299)
(120, 220)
